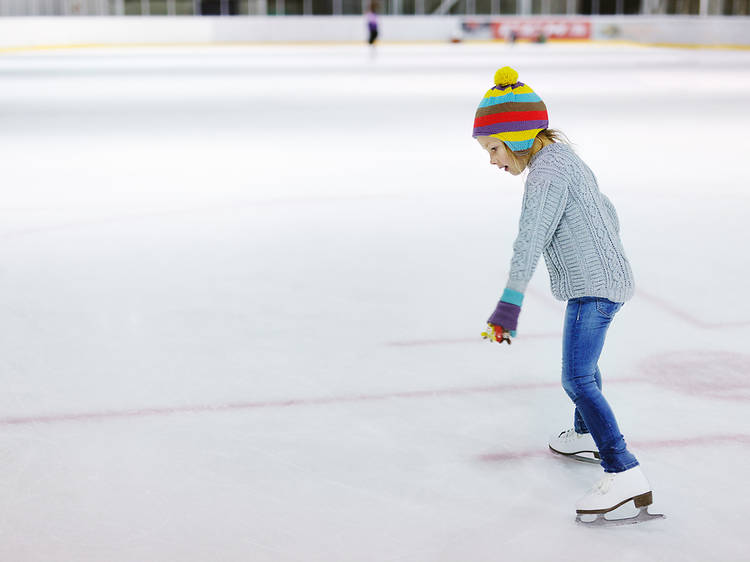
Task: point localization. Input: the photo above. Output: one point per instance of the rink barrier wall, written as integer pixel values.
(20, 33)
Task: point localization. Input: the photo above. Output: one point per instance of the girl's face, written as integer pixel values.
(499, 154)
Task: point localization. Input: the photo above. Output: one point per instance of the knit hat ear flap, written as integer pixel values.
(511, 111)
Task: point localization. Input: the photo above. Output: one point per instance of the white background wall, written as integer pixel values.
(20, 32)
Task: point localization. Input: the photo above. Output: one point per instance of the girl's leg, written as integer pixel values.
(586, 323)
(578, 423)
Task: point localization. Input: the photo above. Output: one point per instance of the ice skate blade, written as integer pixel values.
(579, 456)
(600, 520)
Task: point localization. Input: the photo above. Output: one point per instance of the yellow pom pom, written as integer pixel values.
(506, 76)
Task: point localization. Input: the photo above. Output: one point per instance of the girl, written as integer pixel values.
(372, 23)
(566, 218)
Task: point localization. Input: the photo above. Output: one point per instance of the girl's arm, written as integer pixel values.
(544, 202)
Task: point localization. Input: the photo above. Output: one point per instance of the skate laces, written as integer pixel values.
(568, 435)
(603, 486)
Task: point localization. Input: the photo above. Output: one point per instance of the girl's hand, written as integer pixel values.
(496, 333)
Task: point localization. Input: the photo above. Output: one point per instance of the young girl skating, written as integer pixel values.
(565, 217)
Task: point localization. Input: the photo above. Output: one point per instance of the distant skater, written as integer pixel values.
(565, 217)
(372, 23)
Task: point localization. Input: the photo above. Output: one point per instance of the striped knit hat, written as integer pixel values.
(511, 112)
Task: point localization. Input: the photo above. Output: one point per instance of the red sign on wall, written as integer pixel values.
(520, 28)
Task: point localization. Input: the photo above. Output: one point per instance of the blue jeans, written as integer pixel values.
(586, 323)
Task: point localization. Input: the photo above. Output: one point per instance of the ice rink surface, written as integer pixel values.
(241, 292)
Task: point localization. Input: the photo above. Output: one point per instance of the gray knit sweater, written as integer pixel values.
(575, 226)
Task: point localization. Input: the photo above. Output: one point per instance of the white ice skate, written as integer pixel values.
(577, 446)
(612, 491)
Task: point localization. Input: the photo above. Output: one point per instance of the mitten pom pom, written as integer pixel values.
(506, 76)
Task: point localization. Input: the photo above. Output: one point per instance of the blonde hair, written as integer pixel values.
(544, 137)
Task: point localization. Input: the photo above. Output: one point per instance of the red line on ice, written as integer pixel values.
(204, 408)
(686, 316)
(656, 444)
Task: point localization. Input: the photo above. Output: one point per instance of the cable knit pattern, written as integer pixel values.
(566, 218)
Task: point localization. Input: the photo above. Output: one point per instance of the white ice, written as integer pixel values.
(241, 291)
